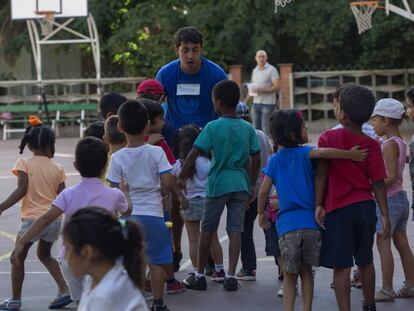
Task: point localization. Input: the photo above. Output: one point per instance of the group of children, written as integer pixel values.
(318, 206)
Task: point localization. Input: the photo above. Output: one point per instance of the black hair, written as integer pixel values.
(286, 128)
(410, 94)
(228, 92)
(133, 116)
(338, 90)
(91, 156)
(100, 229)
(154, 109)
(95, 129)
(154, 97)
(40, 138)
(188, 34)
(186, 137)
(115, 137)
(110, 103)
(357, 102)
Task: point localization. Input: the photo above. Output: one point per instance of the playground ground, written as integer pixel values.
(39, 288)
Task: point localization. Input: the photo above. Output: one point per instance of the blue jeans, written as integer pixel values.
(261, 116)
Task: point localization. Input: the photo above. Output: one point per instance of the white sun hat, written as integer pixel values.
(390, 108)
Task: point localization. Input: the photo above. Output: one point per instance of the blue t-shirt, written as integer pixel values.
(293, 173)
(189, 96)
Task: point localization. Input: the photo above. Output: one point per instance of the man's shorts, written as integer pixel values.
(194, 212)
(157, 239)
(272, 243)
(349, 236)
(236, 208)
(399, 210)
(49, 234)
(300, 247)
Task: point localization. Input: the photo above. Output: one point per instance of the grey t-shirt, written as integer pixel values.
(263, 78)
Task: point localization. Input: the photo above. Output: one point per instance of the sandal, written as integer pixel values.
(384, 296)
(405, 292)
(60, 301)
(11, 304)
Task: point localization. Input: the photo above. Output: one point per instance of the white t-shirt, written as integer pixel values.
(141, 168)
(263, 78)
(196, 186)
(115, 292)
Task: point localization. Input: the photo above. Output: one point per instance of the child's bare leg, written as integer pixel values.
(216, 249)
(177, 229)
(342, 285)
(407, 258)
(193, 232)
(157, 281)
(51, 264)
(169, 271)
(289, 291)
(387, 262)
(368, 283)
(203, 249)
(17, 273)
(306, 277)
(234, 251)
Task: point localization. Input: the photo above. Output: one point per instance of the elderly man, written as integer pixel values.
(265, 81)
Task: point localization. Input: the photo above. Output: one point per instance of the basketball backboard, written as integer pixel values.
(400, 7)
(26, 9)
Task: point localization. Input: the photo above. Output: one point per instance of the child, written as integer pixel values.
(248, 251)
(95, 129)
(232, 141)
(101, 248)
(110, 103)
(386, 119)
(410, 103)
(113, 137)
(146, 168)
(90, 160)
(196, 196)
(39, 180)
(349, 206)
(292, 172)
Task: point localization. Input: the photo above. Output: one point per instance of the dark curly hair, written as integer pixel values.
(286, 128)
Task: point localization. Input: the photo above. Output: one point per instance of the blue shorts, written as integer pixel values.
(157, 239)
(399, 210)
(349, 236)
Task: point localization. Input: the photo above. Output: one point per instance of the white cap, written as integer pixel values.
(390, 108)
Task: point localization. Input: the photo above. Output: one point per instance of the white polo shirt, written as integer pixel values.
(262, 78)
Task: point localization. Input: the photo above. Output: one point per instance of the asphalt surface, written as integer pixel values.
(39, 288)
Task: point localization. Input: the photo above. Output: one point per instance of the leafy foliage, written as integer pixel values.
(136, 35)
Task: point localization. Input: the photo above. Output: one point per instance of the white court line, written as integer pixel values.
(64, 155)
(188, 263)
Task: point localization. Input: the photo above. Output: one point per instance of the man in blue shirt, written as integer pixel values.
(189, 80)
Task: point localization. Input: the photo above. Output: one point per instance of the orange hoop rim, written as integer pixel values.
(376, 4)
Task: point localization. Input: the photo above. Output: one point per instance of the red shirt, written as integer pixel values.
(167, 150)
(348, 181)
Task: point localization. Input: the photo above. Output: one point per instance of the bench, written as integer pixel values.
(77, 113)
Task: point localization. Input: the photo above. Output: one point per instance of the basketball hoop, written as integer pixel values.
(281, 3)
(46, 22)
(363, 12)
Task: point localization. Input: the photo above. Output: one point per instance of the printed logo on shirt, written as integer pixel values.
(188, 89)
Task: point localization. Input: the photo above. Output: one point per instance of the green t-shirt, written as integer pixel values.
(231, 141)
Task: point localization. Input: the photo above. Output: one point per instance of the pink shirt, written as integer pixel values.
(89, 192)
(397, 185)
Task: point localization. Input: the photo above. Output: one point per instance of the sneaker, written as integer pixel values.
(189, 279)
(369, 307)
(246, 275)
(196, 283)
(159, 308)
(356, 280)
(280, 292)
(218, 276)
(230, 284)
(177, 257)
(175, 287)
(147, 295)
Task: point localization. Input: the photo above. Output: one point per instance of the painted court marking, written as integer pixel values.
(11, 237)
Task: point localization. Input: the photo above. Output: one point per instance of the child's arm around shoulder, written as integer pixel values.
(355, 154)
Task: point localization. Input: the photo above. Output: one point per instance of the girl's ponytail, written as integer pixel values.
(134, 253)
(33, 122)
